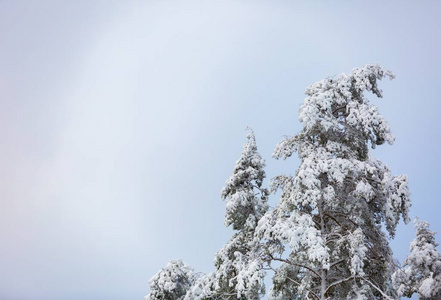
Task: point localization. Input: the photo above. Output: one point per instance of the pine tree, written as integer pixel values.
(326, 230)
(203, 288)
(421, 272)
(239, 273)
(172, 282)
(324, 240)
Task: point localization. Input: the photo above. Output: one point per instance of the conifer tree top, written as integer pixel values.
(421, 272)
(246, 200)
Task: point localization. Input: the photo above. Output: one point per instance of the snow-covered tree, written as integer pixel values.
(203, 288)
(172, 282)
(324, 240)
(326, 230)
(421, 272)
(246, 199)
(239, 273)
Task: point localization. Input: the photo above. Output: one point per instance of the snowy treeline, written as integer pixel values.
(325, 238)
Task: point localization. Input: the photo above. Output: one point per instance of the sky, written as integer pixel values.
(121, 120)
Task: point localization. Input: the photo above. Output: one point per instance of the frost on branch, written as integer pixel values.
(357, 251)
(421, 272)
(283, 287)
(397, 193)
(172, 282)
(203, 288)
(297, 231)
(337, 103)
(239, 269)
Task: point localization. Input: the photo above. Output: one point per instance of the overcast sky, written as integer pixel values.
(121, 121)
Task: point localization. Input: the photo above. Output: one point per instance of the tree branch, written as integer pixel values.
(360, 277)
(336, 221)
(377, 288)
(337, 283)
(298, 283)
(294, 264)
(336, 263)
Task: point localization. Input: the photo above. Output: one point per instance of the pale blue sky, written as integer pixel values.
(121, 121)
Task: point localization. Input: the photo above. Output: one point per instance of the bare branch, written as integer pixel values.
(294, 264)
(337, 283)
(336, 263)
(336, 221)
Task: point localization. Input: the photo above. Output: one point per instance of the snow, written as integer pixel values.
(326, 229)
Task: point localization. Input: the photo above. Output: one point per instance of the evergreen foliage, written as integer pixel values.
(172, 282)
(325, 238)
(421, 272)
(239, 273)
(326, 229)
